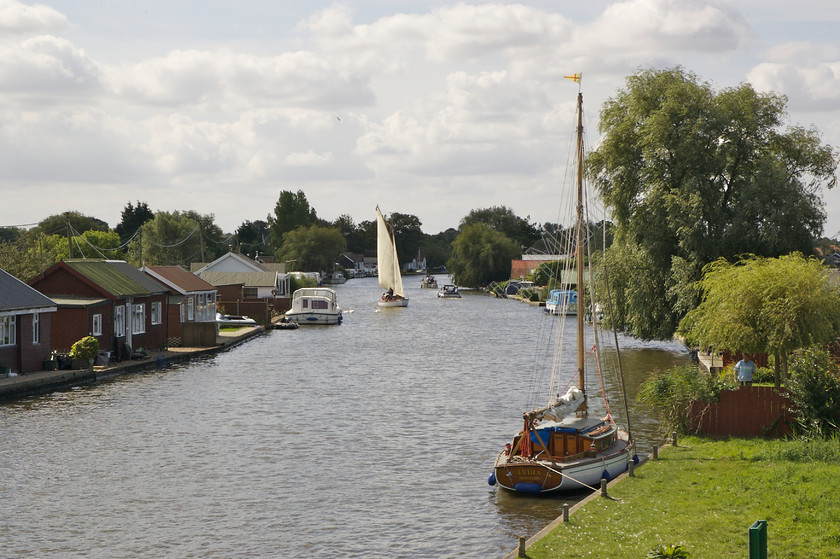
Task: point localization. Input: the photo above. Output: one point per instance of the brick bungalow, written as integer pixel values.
(25, 319)
(108, 299)
(192, 306)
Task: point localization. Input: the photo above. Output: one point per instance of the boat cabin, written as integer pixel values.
(569, 439)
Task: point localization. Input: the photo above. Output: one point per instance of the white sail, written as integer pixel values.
(388, 264)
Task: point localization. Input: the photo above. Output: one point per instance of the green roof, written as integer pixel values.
(116, 277)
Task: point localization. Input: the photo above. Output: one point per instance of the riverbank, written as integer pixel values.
(704, 495)
(42, 382)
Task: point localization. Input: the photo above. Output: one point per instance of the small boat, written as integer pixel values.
(562, 447)
(234, 320)
(314, 305)
(388, 266)
(561, 302)
(334, 278)
(428, 282)
(449, 291)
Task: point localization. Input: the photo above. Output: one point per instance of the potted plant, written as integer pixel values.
(84, 352)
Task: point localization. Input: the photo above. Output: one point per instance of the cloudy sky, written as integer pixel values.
(426, 108)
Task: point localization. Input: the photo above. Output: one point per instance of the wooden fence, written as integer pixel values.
(750, 411)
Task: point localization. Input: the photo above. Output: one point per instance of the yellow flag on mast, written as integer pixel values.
(574, 77)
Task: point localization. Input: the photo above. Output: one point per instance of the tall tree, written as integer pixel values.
(481, 255)
(765, 305)
(314, 248)
(72, 223)
(505, 221)
(178, 238)
(407, 235)
(290, 212)
(132, 218)
(252, 236)
(691, 175)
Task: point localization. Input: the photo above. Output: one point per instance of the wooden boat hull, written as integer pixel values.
(545, 476)
(393, 303)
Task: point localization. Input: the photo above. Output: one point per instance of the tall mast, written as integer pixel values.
(581, 306)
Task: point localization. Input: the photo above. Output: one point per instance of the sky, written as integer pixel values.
(429, 108)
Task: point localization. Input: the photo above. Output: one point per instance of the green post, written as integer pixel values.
(758, 540)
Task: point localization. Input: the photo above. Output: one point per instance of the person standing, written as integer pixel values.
(744, 370)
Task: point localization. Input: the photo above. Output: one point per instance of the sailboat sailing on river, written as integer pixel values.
(388, 266)
(561, 446)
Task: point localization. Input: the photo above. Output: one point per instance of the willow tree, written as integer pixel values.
(691, 175)
(313, 248)
(765, 305)
(480, 256)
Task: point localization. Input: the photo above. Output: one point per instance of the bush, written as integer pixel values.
(814, 390)
(86, 348)
(670, 393)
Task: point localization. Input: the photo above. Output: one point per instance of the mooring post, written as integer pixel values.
(565, 512)
(603, 488)
(674, 438)
(655, 452)
(632, 469)
(522, 546)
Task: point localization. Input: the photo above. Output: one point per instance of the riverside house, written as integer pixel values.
(191, 313)
(25, 318)
(116, 303)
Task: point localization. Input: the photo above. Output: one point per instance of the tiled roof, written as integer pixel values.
(181, 279)
(249, 279)
(17, 296)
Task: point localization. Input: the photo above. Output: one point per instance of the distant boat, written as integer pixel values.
(234, 320)
(562, 302)
(334, 278)
(428, 282)
(388, 266)
(449, 291)
(314, 305)
(561, 447)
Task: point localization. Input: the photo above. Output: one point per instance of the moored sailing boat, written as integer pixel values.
(388, 266)
(561, 447)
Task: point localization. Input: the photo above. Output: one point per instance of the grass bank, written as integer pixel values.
(705, 494)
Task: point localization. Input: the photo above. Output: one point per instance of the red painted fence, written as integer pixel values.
(750, 411)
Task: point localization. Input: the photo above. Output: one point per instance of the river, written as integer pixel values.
(374, 438)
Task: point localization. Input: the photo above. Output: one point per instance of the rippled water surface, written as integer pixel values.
(370, 439)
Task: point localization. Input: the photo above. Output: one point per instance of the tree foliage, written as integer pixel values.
(178, 238)
(765, 305)
(32, 253)
(291, 211)
(481, 255)
(78, 222)
(133, 217)
(314, 248)
(691, 175)
(505, 221)
(252, 236)
(814, 389)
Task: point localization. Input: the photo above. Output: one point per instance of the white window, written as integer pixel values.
(191, 308)
(181, 310)
(138, 322)
(119, 321)
(201, 307)
(8, 330)
(97, 325)
(156, 314)
(36, 328)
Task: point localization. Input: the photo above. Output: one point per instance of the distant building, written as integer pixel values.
(25, 326)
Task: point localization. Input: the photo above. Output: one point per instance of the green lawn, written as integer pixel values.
(705, 494)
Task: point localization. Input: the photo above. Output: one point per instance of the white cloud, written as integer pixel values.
(46, 66)
(23, 19)
(810, 88)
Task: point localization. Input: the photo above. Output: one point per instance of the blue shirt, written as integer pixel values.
(744, 370)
